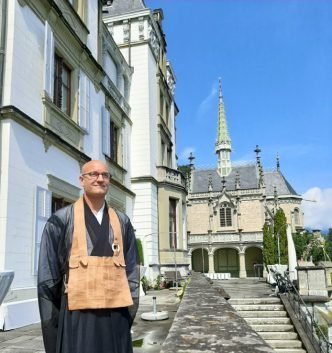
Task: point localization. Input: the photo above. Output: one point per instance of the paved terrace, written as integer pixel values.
(205, 322)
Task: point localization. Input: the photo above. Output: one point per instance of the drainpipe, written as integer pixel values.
(3, 14)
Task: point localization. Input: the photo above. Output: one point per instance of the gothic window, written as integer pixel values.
(225, 215)
(296, 216)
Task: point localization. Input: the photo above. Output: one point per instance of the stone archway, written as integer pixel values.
(253, 255)
(200, 260)
(226, 260)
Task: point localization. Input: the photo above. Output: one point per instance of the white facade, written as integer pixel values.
(155, 179)
(42, 146)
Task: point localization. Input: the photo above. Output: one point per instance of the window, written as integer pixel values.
(111, 68)
(167, 115)
(225, 215)
(114, 133)
(172, 224)
(161, 103)
(58, 202)
(62, 85)
(42, 213)
(296, 216)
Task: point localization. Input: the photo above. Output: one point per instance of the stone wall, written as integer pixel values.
(205, 322)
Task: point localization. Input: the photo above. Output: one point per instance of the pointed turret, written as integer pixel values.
(223, 144)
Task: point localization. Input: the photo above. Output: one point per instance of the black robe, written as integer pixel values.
(83, 331)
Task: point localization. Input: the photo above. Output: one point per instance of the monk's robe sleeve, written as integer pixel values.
(50, 281)
(132, 267)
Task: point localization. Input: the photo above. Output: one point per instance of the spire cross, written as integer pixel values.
(191, 158)
(278, 162)
(220, 92)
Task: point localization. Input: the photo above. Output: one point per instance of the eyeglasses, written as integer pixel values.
(95, 175)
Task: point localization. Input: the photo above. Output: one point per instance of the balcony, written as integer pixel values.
(171, 176)
(215, 238)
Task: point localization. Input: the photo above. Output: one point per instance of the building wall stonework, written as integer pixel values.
(198, 218)
(251, 215)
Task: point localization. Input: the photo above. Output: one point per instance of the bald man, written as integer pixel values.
(88, 278)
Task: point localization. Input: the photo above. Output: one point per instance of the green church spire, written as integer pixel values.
(223, 144)
(223, 136)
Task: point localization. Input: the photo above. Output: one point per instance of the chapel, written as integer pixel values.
(228, 205)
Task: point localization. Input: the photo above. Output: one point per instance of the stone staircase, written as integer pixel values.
(267, 316)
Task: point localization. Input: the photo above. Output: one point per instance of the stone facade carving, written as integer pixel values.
(154, 41)
(141, 28)
(126, 31)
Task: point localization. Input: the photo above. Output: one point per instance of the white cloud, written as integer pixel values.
(183, 156)
(317, 215)
(207, 102)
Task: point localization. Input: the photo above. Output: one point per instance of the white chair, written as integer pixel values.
(6, 279)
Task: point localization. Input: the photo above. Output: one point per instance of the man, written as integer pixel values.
(88, 278)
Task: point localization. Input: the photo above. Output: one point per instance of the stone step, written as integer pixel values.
(273, 328)
(284, 343)
(278, 335)
(242, 301)
(262, 313)
(267, 320)
(290, 350)
(257, 307)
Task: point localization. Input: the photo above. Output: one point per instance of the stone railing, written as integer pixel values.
(205, 322)
(225, 238)
(172, 176)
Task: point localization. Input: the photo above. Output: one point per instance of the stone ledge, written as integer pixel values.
(205, 322)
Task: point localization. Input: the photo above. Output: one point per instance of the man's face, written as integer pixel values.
(94, 179)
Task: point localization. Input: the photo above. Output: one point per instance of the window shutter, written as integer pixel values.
(48, 60)
(105, 131)
(43, 212)
(84, 102)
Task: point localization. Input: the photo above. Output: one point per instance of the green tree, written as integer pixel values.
(280, 231)
(140, 251)
(269, 250)
(300, 242)
(328, 243)
(308, 246)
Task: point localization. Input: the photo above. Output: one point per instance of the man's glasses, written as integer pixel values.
(95, 175)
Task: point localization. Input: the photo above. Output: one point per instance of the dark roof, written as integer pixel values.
(275, 178)
(248, 180)
(120, 7)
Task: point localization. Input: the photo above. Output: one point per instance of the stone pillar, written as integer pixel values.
(242, 262)
(211, 263)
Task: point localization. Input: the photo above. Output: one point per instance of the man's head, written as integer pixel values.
(95, 179)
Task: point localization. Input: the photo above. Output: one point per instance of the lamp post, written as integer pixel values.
(278, 240)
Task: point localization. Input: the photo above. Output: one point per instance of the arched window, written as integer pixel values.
(296, 216)
(225, 215)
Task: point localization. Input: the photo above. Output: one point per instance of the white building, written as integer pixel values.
(159, 209)
(64, 100)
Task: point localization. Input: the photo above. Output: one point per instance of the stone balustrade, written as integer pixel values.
(225, 238)
(170, 175)
(205, 322)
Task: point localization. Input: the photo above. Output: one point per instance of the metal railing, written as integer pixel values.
(317, 338)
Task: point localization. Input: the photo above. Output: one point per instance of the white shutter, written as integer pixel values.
(43, 212)
(84, 102)
(105, 131)
(49, 61)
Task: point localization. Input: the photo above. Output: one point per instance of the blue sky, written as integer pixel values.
(275, 62)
